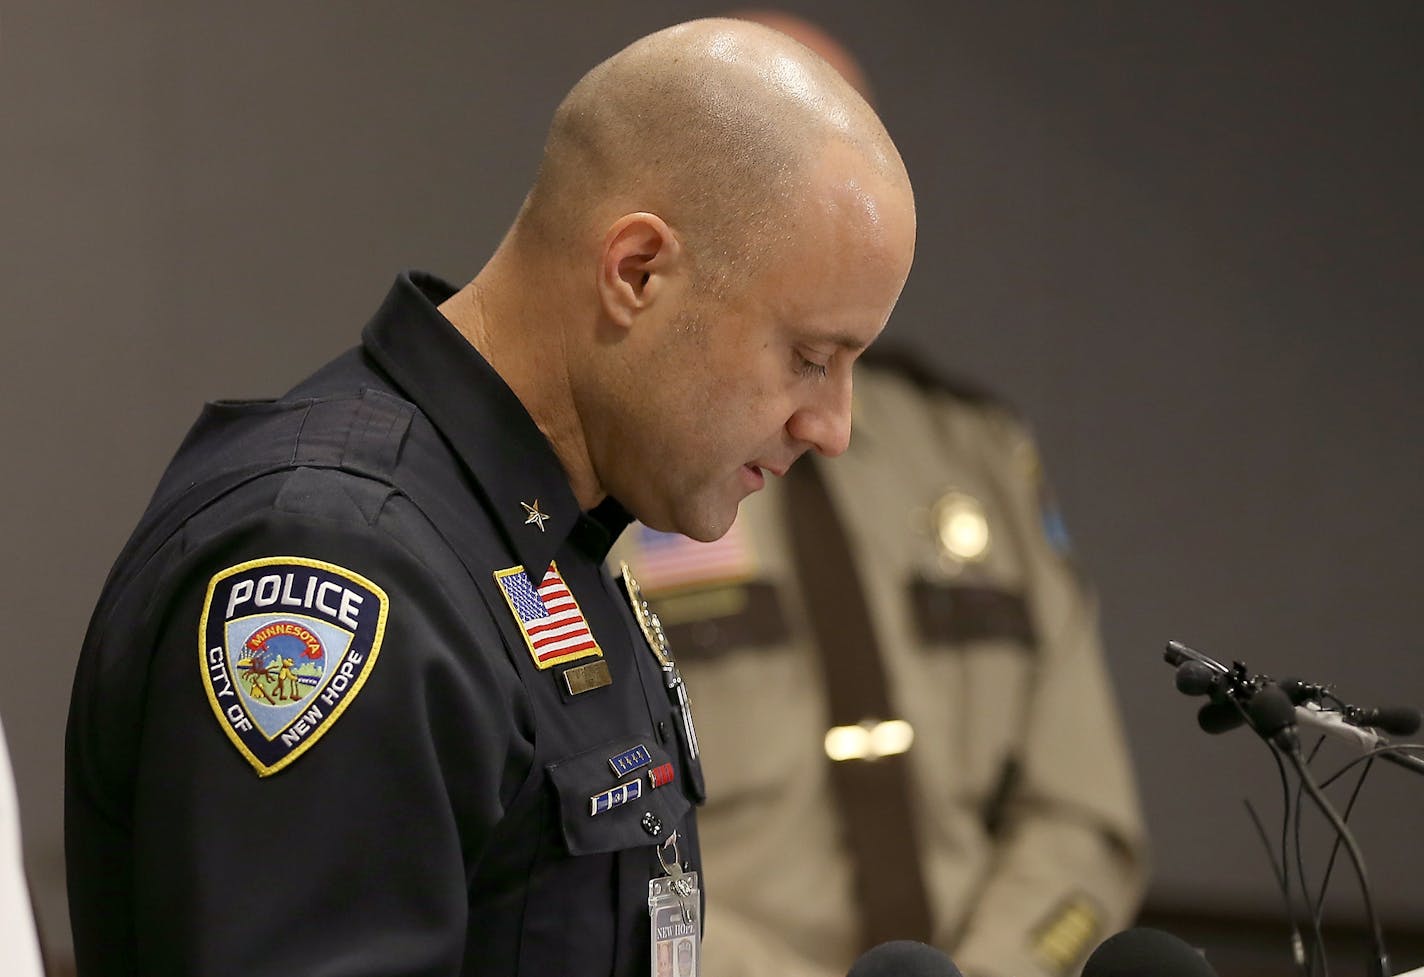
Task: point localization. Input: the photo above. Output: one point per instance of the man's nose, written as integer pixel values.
(824, 423)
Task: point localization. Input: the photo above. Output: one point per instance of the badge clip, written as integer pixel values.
(673, 904)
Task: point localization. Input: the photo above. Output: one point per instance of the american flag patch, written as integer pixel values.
(549, 618)
(667, 561)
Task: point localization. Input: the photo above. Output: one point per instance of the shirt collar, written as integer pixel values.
(443, 374)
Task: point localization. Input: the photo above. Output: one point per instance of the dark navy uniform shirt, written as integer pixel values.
(321, 723)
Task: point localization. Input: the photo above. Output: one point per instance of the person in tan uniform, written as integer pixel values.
(951, 767)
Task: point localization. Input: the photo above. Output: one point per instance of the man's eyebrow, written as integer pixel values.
(844, 340)
(810, 333)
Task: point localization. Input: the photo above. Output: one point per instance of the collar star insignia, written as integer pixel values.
(535, 516)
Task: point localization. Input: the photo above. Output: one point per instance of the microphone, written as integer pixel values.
(1197, 678)
(1302, 692)
(1273, 715)
(1229, 688)
(903, 958)
(1333, 723)
(1144, 952)
(1176, 653)
(1395, 720)
(1363, 737)
(1220, 717)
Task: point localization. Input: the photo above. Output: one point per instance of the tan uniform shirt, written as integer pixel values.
(1032, 844)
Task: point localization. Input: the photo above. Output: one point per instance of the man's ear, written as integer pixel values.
(640, 252)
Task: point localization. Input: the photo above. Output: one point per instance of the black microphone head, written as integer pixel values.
(1300, 692)
(1395, 720)
(903, 958)
(1175, 653)
(1144, 952)
(1271, 711)
(1219, 717)
(1195, 678)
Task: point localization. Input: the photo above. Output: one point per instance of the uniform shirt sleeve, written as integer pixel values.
(1071, 865)
(354, 859)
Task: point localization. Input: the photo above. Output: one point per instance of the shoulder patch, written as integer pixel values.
(1055, 530)
(285, 644)
(549, 618)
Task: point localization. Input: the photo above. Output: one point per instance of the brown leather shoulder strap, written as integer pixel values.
(874, 794)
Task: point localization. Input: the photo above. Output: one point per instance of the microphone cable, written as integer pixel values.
(1281, 872)
(1273, 717)
(1380, 962)
(1317, 933)
(1368, 759)
(1319, 908)
(1401, 749)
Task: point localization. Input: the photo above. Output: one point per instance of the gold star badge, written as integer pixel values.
(535, 516)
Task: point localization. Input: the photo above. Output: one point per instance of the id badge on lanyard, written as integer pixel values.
(674, 901)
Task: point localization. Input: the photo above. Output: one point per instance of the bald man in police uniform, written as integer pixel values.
(970, 788)
(481, 758)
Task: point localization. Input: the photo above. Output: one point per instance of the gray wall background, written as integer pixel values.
(1184, 237)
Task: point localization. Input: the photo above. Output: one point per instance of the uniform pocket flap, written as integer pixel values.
(622, 794)
(959, 614)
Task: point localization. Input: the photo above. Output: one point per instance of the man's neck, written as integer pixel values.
(525, 343)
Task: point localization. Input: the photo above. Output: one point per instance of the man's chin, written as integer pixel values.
(704, 516)
(706, 531)
(707, 523)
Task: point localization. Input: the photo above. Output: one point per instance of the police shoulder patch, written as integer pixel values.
(285, 644)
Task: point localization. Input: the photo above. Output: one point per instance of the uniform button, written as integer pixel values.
(662, 731)
(652, 824)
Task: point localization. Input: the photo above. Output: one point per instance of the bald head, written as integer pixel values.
(719, 226)
(717, 126)
(815, 37)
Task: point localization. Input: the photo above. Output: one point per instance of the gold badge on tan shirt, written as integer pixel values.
(1064, 937)
(961, 527)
